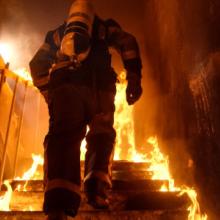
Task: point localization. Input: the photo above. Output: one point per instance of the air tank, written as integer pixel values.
(78, 31)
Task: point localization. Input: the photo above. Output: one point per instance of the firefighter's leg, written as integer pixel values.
(62, 151)
(100, 144)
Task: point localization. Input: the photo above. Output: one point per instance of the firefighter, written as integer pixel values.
(73, 72)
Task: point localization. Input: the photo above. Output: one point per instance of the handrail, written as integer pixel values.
(4, 74)
(2, 169)
(20, 123)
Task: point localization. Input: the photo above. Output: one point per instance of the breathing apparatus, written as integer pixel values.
(76, 42)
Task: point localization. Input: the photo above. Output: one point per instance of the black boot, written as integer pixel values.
(96, 193)
(61, 201)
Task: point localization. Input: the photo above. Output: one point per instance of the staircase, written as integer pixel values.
(134, 196)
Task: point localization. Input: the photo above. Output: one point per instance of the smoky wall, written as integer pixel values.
(182, 43)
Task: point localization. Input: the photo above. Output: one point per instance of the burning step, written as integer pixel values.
(117, 185)
(131, 192)
(125, 176)
(104, 215)
(119, 201)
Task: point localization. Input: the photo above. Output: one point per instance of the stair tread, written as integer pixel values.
(119, 200)
(117, 184)
(104, 215)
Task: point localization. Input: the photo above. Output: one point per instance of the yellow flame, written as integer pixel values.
(159, 164)
(83, 148)
(194, 209)
(123, 124)
(24, 74)
(6, 198)
(160, 169)
(6, 51)
(31, 173)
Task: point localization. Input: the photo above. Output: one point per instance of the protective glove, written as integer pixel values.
(134, 89)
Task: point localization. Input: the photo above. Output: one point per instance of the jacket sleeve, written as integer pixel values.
(43, 60)
(127, 47)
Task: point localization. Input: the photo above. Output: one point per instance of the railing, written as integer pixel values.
(19, 89)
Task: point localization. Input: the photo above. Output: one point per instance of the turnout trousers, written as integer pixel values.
(72, 108)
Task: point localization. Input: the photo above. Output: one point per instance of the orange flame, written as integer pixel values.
(5, 54)
(23, 74)
(6, 198)
(160, 168)
(83, 148)
(124, 125)
(32, 173)
(159, 164)
(5, 51)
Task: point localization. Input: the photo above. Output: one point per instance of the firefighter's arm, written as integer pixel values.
(127, 47)
(42, 62)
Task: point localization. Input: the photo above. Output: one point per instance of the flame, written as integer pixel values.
(6, 198)
(31, 174)
(6, 51)
(83, 150)
(24, 74)
(159, 164)
(160, 169)
(83, 147)
(194, 209)
(124, 126)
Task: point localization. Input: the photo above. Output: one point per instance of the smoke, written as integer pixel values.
(17, 32)
(24, 24)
